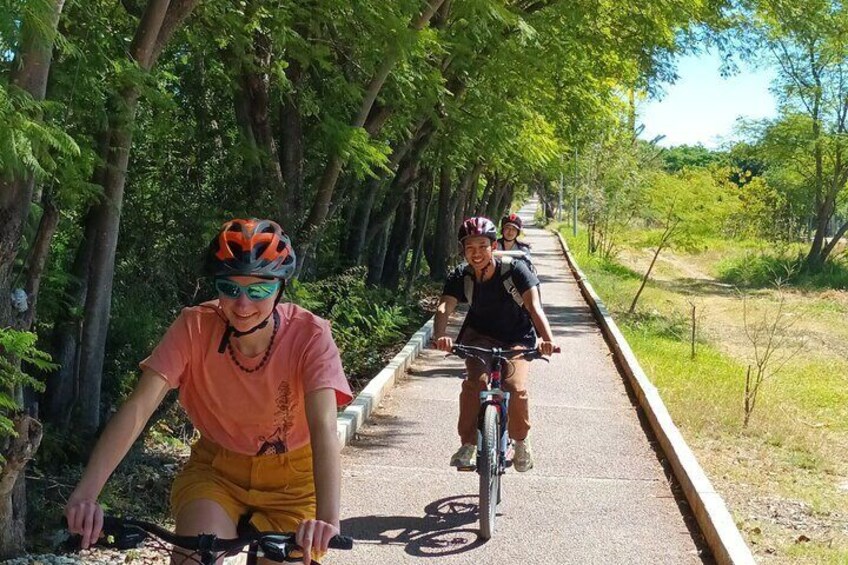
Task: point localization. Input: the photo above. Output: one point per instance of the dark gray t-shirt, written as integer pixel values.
(494, 313)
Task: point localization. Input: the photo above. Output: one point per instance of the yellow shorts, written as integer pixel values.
(278, 489)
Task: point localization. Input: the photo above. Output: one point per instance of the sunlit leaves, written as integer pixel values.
(29, 146)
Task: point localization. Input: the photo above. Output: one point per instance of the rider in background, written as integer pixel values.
(261, 380)
(511, 226)
(494, 320)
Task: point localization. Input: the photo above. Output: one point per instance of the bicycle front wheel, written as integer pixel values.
(488, 468)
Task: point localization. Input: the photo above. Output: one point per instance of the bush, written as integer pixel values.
(760, 270)
(366, 321)
(763, 270)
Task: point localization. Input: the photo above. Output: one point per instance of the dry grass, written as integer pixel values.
(785, 476)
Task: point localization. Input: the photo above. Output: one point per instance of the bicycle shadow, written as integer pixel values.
(441, 532)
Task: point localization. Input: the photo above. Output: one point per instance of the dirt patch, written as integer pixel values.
(780, 498)
(814, 320)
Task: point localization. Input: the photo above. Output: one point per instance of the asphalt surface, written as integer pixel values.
(598, 493)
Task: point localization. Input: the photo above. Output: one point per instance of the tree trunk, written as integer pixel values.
(498, 191)
(444, 236)
(480, 209)
(460, 201)
(425, 198)
(398, 246)
(39, 253)
(62, 386)
(291, 155)
(359, 227)
(397, 193)
(17, 453)
(506, 203)
(377, 258)
(324, 193)
(149, 38)
(30, 71)
(471, 195)
(403, 180)
(244, 122)
(358, 237)
(502, 195)
(256, 81)
(666, 236)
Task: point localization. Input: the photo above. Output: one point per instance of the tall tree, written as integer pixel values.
(809, 44)
(158, 23)
(28, 85)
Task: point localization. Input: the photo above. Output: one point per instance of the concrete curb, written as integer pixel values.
(357, 413)
(716, 523)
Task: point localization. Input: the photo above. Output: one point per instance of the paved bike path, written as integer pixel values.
(598, 492)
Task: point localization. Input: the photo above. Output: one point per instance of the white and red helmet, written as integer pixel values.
(477, 226)
(512, 220)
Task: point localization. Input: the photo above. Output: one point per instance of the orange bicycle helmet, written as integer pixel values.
(252, 247)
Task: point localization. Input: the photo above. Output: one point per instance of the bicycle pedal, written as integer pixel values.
(467, 469)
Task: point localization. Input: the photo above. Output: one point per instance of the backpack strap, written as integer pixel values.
(468, 284)
(506, 279)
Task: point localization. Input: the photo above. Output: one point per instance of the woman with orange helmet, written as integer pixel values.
(261, 380)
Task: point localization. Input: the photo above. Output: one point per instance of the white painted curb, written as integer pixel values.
(714, 519)
(357, 413)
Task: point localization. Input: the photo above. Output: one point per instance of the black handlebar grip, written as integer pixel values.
(341, 542)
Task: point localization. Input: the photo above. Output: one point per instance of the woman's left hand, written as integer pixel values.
(314, 535)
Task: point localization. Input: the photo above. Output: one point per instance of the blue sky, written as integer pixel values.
(702, 107)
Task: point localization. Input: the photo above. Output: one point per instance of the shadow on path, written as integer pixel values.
(447, 528)
(383, 432)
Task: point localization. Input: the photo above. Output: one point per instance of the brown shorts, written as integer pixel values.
(278, 489)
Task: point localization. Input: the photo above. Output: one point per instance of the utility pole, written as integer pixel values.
(576, 180)
(559, 201)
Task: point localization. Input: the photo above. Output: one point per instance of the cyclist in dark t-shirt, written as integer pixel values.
(494, 319)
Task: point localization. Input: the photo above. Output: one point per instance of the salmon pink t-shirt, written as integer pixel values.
(250, 413)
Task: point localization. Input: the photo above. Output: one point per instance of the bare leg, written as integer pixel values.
(202, 517)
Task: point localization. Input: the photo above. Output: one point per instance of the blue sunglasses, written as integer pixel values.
(255, 291)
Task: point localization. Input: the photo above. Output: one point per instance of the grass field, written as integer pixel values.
(785, 475)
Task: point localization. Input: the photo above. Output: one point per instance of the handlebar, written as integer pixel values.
(128, 533)
(464, 351)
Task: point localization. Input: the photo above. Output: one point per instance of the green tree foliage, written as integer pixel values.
(804, 147)
(386, 121)
(689, 156)
(17, 347)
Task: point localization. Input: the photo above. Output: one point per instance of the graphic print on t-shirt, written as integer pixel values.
(275, 442)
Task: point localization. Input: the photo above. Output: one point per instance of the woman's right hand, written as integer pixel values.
(85, 517)
(444, 344)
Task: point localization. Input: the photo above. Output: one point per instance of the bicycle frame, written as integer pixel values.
(499, 398)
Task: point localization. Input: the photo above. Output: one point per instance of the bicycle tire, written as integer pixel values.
(489, 475)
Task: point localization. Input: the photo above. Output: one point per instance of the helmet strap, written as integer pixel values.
(231, 331)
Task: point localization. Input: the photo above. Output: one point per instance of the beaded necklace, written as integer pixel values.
(267, 350)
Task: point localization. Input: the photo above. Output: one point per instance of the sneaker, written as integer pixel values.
(523, 458)
(465, 457)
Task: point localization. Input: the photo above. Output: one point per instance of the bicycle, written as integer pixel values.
(128, 533)
(492, 437)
